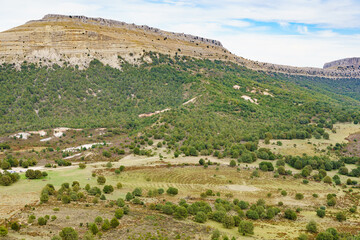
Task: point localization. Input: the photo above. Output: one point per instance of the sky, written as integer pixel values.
(304, 33)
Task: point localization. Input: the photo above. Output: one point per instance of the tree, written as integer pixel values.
(172, 191)
(68, 233)
(108, 189)
(44, 198)
(201, 161)
(180, 213)
(129, 196)
(327, 179)
(311, 227)
(320, 213)
(246, 227)
(215, 235)
(232, 163)
(228, 221)
(331, 202)
(106, 225)
(200, 217)
(101, 180)
(137, 192)
(114, 222)
(65, 199)
(93, 228)
(290, 214)
(119, 213)
(324, 236)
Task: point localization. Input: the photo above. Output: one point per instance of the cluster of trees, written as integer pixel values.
(7, 178)
(35, 174)
(10, 161)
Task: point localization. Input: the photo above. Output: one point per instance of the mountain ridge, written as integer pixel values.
(78, 40)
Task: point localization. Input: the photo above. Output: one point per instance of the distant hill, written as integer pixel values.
(346, 63)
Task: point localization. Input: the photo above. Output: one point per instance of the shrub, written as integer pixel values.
(119, 213)
(98, 219)
(15, 226)
(106, 225)
(320, 213)
(331, 202)
(68, 233)
(232, 163)
(82, 165)
(290, 214)
(324, 236)
(283, 192)
(120, 202)
(42, 221)
(114, 222)
(299, 196)
(200, 217)
(302, 236)
(101, 180)
(215, 235)
(340, 216)
(108, 189)
(251, 214)
(65, 199)
(3, 231)
(311, 227)
(181, 213)
(137, 192)
(93, 228)
(172, 191)
(119, 185)
(246, 227)
(327, 179)
(44, 198)
(228, 221)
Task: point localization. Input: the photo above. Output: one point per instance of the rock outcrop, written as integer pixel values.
(353, 63)
(77, 40)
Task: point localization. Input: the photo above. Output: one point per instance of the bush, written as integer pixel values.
(302, 236)
(68, 233)
(42, 221)
(108, 189)
(327, 179)
(3, 231)
(215, 235)
(290, 214)
(228, 221)
(299, 196)
(98, 219)
(101, 180)
(120, 202)
(82, 165)
(252, 214)
(114, 223)
(200, 217)
(172, 191)
(246, 227)
(93, 228)
(232, 163)
(65, 199)
(15, 226)
(180, 213)
(320, 213)
(119, 185)
(119, 213)
(311, 227)
(106, 225)
(137, 192)
(331, 202)
(284, 193)
(340, 216)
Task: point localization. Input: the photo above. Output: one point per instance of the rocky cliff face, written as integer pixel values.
(352, 63)
(76, 40)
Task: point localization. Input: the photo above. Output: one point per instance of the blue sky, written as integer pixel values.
(291, 32)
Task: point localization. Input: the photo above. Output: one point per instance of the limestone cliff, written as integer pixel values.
(77, 40)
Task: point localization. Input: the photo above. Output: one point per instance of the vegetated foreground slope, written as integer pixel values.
(232, 102)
